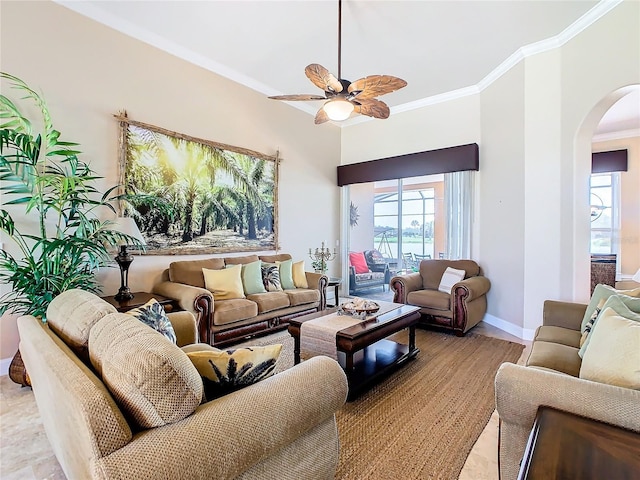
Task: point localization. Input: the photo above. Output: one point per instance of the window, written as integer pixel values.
(605, 224)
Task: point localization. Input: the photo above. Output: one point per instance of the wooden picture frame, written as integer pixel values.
(194, 196)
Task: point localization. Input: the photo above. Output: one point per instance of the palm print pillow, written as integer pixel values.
(153, 315)
(225, 371)
(271, 277)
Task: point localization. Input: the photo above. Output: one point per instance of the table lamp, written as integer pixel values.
(127, 226)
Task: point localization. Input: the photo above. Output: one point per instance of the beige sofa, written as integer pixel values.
(229, 321)
(551, 378)
(281, 427)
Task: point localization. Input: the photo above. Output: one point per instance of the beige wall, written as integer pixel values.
(596, 65)
(629, 203)
(501, 187)
(534, 124)
(361, 235)
(88, 72)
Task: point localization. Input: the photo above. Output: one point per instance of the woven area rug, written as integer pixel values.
(422, 421)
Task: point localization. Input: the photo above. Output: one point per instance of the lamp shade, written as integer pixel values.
(338, 109)
(127, 225)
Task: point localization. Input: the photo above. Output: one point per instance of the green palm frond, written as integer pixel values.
(57, 190)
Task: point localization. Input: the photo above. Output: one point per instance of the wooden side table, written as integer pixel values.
(139, 299)
(563, 445)
(334, 282)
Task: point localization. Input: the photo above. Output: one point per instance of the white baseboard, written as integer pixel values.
(4, 366)
(510, 328)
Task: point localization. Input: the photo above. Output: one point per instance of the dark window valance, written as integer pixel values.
(431, 162)
(612, 161)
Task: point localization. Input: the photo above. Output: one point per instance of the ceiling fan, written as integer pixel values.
(344, 97)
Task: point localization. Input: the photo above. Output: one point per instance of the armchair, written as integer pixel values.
(367, 270)
(459, 310)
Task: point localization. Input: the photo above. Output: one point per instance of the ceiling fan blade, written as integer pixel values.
(321, 117)
(322, 78)
(298, 98)
(375, 85)
(371, 107)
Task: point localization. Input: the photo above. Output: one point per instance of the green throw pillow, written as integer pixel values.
(624, 305)
(252, 277)
(286, 274)
(226, 371)
(153, 315)
(603, 291)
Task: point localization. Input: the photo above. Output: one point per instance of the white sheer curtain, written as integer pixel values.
(458, 201)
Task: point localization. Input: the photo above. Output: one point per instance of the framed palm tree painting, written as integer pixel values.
(193, 196)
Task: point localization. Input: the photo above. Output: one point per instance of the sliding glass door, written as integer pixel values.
(404, 216)
(402, 219)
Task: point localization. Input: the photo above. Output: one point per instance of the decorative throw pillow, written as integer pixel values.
(72, 314)
(152, 380)
(299, 275)
(251, 276)
(374, 257)
(623, 305)
(592, 320)
(450, 277)
(225, 283)
(153, 315)
(603, 291)
(225, 371)
(271, 277)
(357, 261)
(613, 356)
(285, 269)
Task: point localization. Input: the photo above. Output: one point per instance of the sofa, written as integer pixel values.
(226, 322)
(460, 310)
(367, 270)
(551, 377)
(95, 373)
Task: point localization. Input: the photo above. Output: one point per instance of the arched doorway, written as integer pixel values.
(629, 123)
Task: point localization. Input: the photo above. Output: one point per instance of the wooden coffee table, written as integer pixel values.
(364, 351)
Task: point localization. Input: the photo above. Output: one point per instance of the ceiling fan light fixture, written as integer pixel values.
(345, 97)
(338, 109)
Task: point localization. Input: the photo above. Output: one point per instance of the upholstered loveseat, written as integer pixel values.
(552, 377)
(224, 322)
(459, 310)
(120, 401)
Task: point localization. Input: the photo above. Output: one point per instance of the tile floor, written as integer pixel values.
(25, 453)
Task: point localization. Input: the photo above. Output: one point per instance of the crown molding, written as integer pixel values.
(585, 21)
(588, 19)
(90, 10)
(605, 137)
(423, 102)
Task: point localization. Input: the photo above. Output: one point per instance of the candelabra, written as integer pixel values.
(321, 256)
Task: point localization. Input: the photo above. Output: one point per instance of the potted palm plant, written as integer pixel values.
(60, 240)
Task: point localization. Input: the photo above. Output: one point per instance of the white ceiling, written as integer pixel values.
(441, 48)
